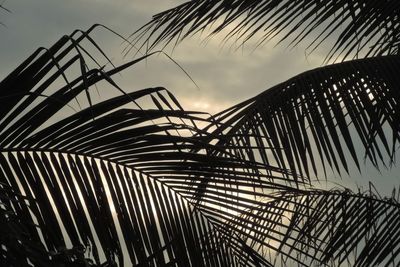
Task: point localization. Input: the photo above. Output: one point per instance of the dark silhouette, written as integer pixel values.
(134, 178)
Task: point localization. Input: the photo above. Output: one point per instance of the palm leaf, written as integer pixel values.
(309, 120)
(17, 245)
(135, 181)
(361, 26)
(323, 228)
(113, 178)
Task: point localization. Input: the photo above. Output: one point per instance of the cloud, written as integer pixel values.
(224, 76)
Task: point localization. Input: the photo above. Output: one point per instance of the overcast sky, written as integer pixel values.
(225, 77)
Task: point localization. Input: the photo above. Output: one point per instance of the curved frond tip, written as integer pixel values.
(368, 28)
(320, 118)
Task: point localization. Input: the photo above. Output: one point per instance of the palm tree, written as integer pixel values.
(136, 179)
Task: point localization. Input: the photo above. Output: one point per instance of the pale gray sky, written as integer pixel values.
(225, 77)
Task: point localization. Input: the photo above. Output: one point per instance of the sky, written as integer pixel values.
(224, 76)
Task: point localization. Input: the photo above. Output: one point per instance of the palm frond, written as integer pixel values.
(136, 181)
(17, 245)
(118, 177)
(318, 118)
(369, 26)
(323, 228)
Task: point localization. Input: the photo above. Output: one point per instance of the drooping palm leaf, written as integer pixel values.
(115, 176)
(369, 26)
(317, 228)
(135, 180)
(316, 118)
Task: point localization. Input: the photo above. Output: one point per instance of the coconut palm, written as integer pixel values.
(136, 179)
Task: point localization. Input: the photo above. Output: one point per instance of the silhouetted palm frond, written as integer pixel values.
(16, 243)
(116, 177)
(309, 120)
(133, 179)
(369, 26)
(323, 228)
